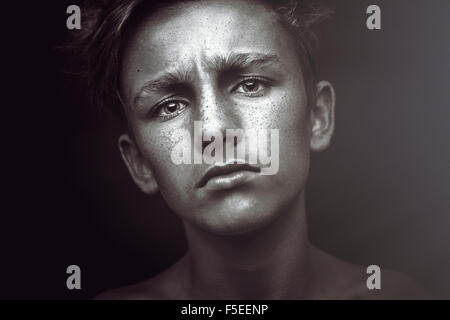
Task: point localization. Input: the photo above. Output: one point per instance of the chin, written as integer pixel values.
(237, 216)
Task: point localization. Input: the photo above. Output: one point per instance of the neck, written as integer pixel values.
(270, 263)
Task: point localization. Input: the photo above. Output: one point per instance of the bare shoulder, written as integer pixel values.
(141, 291)
(394, 286)
(169, 284)
(343, 280)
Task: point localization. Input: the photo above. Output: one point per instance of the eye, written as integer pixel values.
(252, 87)
(169, 109)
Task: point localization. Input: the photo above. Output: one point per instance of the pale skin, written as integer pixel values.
(248, 242)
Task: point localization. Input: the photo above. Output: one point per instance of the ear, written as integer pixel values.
(137, 165)
(322, 117)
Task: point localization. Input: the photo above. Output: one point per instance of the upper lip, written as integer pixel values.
(218, 170)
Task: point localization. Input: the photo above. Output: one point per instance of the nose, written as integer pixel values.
(217, 114)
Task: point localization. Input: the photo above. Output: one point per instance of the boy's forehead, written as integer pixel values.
(206, 29)
(197, 31)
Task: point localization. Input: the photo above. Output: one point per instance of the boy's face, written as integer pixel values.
(186, 54)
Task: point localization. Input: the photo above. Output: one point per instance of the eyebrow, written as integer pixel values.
(181, 78)
(239, 62)
(169, 81)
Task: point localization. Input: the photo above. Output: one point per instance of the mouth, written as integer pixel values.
(220, 177)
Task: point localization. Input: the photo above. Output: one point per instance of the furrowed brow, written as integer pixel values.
(239, 61)
(169, 81)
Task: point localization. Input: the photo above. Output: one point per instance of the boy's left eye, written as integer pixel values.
(252, 87)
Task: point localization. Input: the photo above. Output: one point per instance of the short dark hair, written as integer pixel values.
(95, 50)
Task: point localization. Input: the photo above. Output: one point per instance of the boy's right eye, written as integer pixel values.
(169, 109)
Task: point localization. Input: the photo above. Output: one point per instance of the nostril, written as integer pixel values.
(206, 141)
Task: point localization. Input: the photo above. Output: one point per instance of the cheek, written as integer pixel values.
(295, 136)
(157, 146)
(287, 112)
(291, 116)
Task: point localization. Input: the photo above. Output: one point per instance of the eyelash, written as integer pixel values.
(258, 80)
(163, 104)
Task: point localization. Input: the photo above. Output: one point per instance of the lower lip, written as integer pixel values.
(230, 180)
